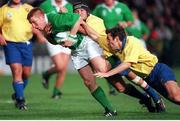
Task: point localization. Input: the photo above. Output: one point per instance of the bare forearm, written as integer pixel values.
(91, 32)
(40, 37)
(76, 27)
(119, 69)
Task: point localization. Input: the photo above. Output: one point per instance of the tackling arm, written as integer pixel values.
(123, 66)
(91, 32)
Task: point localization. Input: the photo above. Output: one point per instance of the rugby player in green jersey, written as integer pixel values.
(85, 50)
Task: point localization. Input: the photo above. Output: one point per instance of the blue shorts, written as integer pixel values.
(160, 74)
(18, 52)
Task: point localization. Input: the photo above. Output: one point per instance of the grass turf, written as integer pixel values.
(76, 102)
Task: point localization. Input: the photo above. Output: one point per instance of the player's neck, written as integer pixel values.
(110, 5)
(58, 3)
(15, 5)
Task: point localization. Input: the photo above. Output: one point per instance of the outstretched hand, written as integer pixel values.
(101, 75)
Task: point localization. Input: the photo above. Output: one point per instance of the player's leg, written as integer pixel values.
(173, 91)
(130, 90)
(160, 106)
(53, 51)
(96, 91)
(80, 59)
(18, 86)
(46, 76)
(26, 75)
(163, 80)
(99, 63)
(14, 60)
(27, 57)
(61, 62)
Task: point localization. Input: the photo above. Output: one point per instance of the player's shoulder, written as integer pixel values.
(91, 16)
(45, 3)
(121, 4)
(27, 7)
(131, 40)
(4, 7)
(100, 6)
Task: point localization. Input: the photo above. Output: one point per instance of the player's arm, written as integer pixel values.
(127, 17)
(90, 32)
(39, 35)
(76, 27)
(121, 67)
(2, 39)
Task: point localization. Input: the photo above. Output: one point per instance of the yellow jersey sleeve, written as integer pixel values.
(27, 7)
(97, 24)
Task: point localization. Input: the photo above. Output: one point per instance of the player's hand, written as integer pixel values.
(63, 10)
(35, 31)
(123, 24)
(67, 43)
(101, 75)
(2, 40)
(48, 29)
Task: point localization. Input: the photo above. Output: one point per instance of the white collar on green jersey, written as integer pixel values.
(46, 19)
(110, 9)
(64, 2)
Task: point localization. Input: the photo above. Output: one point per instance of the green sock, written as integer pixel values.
(56, 91)
(99, 95)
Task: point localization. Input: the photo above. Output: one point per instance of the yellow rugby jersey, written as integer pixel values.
(14, 24)
(142, 60)
(98, 25)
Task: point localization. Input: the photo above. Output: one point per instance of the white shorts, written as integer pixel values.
(56, 49)
(87, 50)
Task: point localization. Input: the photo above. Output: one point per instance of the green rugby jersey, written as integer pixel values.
(111, 16)
(138, 29)
(49, 6)
(60, 22)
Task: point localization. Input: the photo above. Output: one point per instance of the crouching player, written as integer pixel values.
(143, 63)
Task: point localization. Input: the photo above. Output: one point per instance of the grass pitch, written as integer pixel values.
(76, 102)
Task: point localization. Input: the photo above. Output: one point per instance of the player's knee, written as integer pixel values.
(175, 97)
(17, 72)
(60, 69)
(102, 69)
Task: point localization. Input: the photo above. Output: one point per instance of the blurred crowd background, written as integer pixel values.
(162, 18)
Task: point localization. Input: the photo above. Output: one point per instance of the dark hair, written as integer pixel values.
(33, 11)
(117, 31)
(81, 5)
(9, 2)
